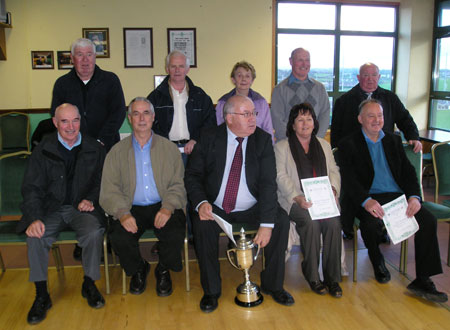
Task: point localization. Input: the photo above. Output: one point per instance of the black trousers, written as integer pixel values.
(428, 260)
(206, 238)
(170, 237)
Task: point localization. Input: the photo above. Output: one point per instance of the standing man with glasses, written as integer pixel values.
(345, 111)
(232, 173)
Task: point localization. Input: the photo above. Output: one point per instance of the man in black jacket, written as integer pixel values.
(242, 190)
(97, 94)
(182, 110)
(375, 171)
(60, 190)
(345, 111)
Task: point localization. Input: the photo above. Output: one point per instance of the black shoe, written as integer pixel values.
(347, 235)
(39, 309)
(93, 296)
(318, 287)
(282, 297)
(334, 289)
(163, 282)
(382, 274)
(138, 281)
(426, 289)
(209, 303)
(77, 252)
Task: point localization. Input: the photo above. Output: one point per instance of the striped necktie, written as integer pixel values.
(232, 188)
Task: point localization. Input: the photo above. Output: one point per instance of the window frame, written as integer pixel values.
(439, 32)
(337, 33)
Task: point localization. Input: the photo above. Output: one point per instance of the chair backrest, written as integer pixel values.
(415, 158)
(441, 163)
(12, 170)
(14, 132)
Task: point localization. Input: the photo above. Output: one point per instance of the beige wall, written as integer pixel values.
(227, 31)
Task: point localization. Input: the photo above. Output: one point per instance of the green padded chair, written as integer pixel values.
(14, 132)
(441, 212)
(12, 170)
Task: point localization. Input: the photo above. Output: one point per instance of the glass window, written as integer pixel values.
(321, 50)
(365, 18)
(356, 50)
(306, 16)
(440, 114)
(442, 68)
(444, 13)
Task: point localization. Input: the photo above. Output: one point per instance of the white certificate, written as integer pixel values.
(226, 227)
(318, 191)
(398, 225)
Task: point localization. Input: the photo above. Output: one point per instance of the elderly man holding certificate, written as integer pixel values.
(375, 171)
(302, 156)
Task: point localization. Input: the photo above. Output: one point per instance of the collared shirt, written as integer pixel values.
(383, 180)
(64, 143)
(146, 192)
(293, 79)
(244, 199)
(179, 129)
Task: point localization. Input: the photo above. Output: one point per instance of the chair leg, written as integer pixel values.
(355, 254)
(448, 252)
(186, 264)
(2, 264)
(124, 283)
(58, 259)
(105, 257)
(404, 257)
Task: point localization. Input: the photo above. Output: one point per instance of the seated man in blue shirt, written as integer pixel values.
(142, 187)
(375, 171)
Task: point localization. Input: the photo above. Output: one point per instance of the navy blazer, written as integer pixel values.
(206, 166)
(357, 170)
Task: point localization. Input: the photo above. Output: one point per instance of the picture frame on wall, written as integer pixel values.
(158, 79)
(64, 60)
(42, 59)
(185, 41)
(100, 38)
(138, 47)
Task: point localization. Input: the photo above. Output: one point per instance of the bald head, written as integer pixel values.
(67, 122)
(300, 61)
(368, 77)
(240, 116)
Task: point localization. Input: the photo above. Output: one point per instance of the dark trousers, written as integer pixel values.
(428, 262)
(206, 238)
(170, 237)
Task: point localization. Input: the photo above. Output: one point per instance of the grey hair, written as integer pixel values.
(177, 53)
(369, 64)
(297, 50)
(231, 104)
(369, 101)
(140, 99)
(82, 42)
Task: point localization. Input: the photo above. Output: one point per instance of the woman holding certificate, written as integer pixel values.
(303, 155)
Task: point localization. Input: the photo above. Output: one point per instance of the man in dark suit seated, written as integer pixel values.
(60, 190)
(375, 171)
(214, 167)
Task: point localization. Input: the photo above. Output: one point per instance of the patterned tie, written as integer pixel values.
(231, 190)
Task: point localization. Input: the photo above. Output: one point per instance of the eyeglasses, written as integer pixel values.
(245, 114)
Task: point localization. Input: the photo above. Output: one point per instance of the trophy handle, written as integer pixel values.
(230, 259)
(257, 252)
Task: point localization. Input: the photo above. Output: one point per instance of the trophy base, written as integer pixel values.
(249, 304)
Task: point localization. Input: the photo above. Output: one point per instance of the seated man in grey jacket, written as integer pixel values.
(60, 190)
(142, 187)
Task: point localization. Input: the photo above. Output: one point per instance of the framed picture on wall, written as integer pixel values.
(138, 47)
(100, 38)
(42, 59)
(64, 59)
(158, 79)
(183, 40)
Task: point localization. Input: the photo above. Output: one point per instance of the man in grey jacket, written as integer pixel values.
(142, 187)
